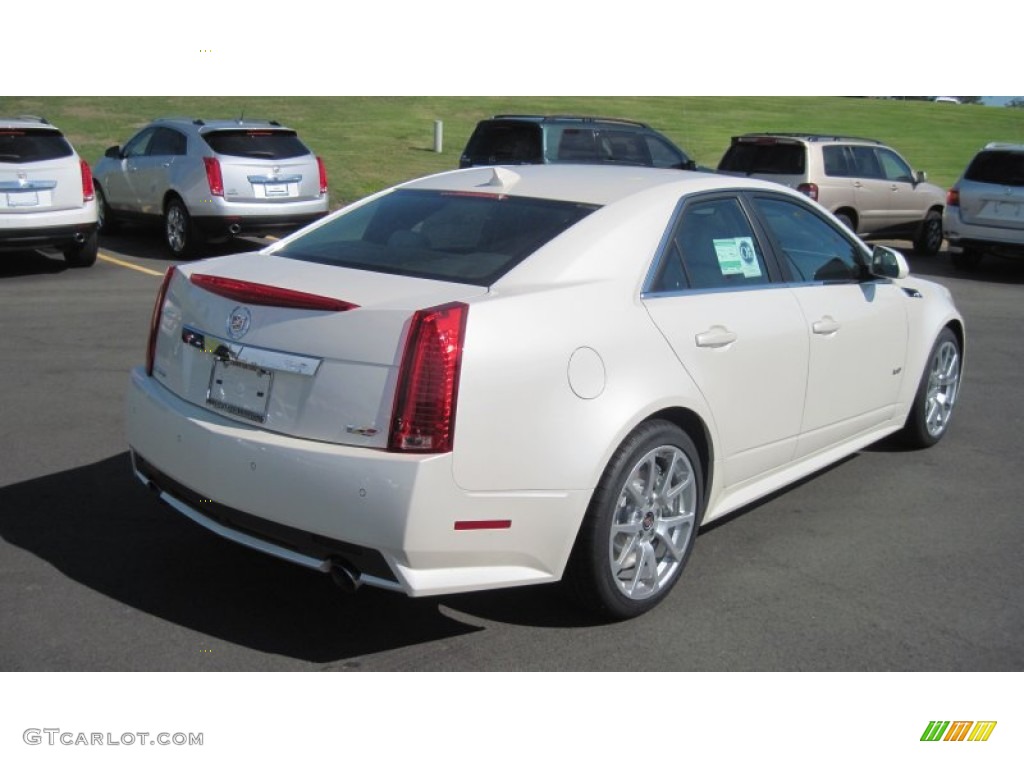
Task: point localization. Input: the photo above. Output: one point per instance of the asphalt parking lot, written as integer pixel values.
(889, 560)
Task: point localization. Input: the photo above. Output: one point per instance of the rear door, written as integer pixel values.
(737, 332)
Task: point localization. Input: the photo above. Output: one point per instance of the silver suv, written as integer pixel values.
(46, 192)
(985, 207)
(866, 184)
(208, 180)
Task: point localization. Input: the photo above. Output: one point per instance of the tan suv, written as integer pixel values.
(866, 184)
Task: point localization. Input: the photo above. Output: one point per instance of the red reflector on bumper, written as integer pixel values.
(481, 525)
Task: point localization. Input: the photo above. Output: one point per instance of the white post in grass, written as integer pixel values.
(438, 135)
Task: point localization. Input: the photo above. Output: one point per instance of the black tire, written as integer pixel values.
(929, 237)
(107, 223)
(82, 254)
(640, 527)
(937, 394)
(847, 221)
(966, 259)
(180, 235)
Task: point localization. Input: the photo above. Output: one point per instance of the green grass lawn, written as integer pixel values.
(371, 142)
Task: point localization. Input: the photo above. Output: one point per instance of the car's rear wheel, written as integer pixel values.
(936, 394)
(929, 238)
(180, 234)
(641, 524)
(967, 259)
(847, 221)
(82, 254)
(106, 223)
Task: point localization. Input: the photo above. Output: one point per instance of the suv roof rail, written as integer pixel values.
(36, 118)
(581, 118)
(1004, 145)
(812, 136)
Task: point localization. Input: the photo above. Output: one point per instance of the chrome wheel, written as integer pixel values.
(176, 228)
(942, 387)
(652, 524)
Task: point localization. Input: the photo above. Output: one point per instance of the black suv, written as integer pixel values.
(538, 139)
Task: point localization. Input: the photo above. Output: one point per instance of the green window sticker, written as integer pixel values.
(736, 256)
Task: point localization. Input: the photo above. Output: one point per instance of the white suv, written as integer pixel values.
(207, 180)
(46, 192)
(866, 184)
(985, 208)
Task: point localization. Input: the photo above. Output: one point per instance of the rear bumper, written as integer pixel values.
(392, 517)
(25, 238)
(960, 234)
(238, 224)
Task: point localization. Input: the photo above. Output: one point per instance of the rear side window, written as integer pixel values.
(997, 167)
(750, 157)
(504, 143)
(28, 145)
(452, 236)
(262, 144)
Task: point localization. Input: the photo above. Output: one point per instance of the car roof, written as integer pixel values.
(591, 184)
(26, 121)
(585, 119)
(1004, 146)
(203, 125)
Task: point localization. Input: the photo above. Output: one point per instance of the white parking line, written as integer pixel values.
(136, 267)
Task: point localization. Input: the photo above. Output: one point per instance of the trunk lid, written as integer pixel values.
(326, 371)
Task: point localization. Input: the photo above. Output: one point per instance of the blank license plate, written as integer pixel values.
(18, 199)
(241, 390)
(276, 190)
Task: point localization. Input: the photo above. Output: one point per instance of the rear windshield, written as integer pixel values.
(264, 144)
(997, 166)
(456, 237)
(30, 145)
(784, 159)
(503, 144)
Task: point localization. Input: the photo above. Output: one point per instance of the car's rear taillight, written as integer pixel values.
(953, 197)
(213, 176)
(323, 175)
(88, 190)
(809, 189)
(428, 381)
(154, 322)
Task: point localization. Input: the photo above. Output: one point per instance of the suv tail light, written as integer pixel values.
(953, 197)
(88, 190)
(213, 176)
(323, 175)
(154, 322)
(809, 189)
(428, 381)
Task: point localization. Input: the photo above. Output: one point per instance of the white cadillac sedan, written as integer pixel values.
(494, 376)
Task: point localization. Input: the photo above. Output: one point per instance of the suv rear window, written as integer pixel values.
(504, 143)
(264, 144)
(457, 237)
(30, 145)
(996, 166)
(749, 157)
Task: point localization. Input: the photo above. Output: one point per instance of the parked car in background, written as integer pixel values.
(503, 376)
(46, 192)
(208, 180)
(536, 139)
(865, 183)
(985, 207)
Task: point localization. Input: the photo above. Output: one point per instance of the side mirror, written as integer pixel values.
(920, 177)
(113, 152)
(888, 262)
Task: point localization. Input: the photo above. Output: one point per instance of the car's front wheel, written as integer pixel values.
(936, 394)
(929, 238)
(180, 235)
(641, 524)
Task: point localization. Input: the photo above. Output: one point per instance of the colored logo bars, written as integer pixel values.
(958, 730)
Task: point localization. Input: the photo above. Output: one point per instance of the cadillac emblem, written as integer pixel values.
(238, 322)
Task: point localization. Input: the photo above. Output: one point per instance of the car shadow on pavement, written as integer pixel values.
(25, 263)
(145, 243)
(98, 526)
(992, 269)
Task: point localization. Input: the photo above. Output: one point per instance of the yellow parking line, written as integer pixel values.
(129, 265)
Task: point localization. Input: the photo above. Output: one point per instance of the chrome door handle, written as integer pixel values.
(716, 336)
(826, 326)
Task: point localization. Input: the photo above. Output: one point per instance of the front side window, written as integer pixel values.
(893, 166)
(712, 246)
(663, 155)
(139, 145)
(812, 248)
(457, 237)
